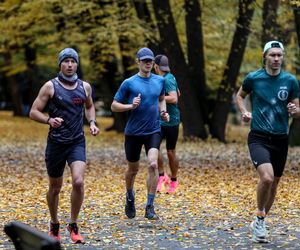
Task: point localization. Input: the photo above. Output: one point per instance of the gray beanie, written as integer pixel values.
(66, 53)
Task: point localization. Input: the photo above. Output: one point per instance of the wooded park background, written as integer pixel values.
(211, 45)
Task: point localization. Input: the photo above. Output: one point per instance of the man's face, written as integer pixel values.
(156, 68)
(68, 66)
(145, 65)
(274, 58)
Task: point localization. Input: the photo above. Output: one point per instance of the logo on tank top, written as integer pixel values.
(283, 94)
(77, 100)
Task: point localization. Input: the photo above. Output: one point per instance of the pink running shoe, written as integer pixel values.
(172, 188)
(162, 182)
(54, 230)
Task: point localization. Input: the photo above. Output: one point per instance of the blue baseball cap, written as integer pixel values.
(145, 53)
(68, 53)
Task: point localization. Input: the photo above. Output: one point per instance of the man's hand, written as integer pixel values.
(246, 116)
(292, 108)
(94, 129)
(55, 122)
(136, 101)
(165, 116)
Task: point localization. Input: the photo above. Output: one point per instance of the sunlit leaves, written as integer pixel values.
(292, 3)
(212, 209)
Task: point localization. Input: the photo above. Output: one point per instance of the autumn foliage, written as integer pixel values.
(212, 209)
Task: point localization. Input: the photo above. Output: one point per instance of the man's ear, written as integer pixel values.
(264, 59)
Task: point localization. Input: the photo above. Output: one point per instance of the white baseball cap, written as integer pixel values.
(273, 44)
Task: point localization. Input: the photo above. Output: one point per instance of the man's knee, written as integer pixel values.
(266, 173)
(153, 165)
(54, 190)
(171, 153)
(78, 183)
(133, 168)
(267, 179)
(133, 172)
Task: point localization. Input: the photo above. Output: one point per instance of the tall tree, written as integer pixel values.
(144, 14)
(8, 48)
(296, 12)
(228, 83)
(127, 59)
(14, 88)
(32, 71)
(270, 29)
(195, 49)
(294, 135)
(192, 119)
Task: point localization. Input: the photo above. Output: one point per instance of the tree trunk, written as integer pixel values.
(14, 89)
(196, 53)
(110, 78)
(32, 74)
(297, 24)
(193, 124)
(269, 25)
(143, 13)
(228, 83)
(128, 61)
(294, 135)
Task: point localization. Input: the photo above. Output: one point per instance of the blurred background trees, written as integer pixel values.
(211, 46)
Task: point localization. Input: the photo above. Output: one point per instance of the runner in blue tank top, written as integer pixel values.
(68, 98)
(143, 96)
(275, 97)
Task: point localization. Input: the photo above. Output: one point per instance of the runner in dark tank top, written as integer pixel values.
(68, 105)
(69, 98)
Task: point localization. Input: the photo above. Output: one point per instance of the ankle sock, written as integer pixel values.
(260, 213)
(150, 199)
(130, 194)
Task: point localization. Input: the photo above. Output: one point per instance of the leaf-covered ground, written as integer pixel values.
(212, 209)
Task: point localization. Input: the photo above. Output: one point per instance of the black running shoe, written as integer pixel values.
(130, 208)
(150, 213)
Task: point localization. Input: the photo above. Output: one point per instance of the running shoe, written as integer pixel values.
(76, 238)
(54, 230)
(259, 232)
(162, 182)
(130, 208)
(172, 188)
(150, 213)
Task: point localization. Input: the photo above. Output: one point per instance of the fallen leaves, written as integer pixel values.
(211, 210)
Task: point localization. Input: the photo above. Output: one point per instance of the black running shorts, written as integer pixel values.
(170, 133)
(268, 148)
(57, 154)
(133, 145)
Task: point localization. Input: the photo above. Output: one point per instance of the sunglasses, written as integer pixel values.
(147, 60)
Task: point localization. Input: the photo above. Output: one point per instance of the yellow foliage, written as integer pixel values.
(216, 191)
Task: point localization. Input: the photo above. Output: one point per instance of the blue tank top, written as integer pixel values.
(68, 105)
